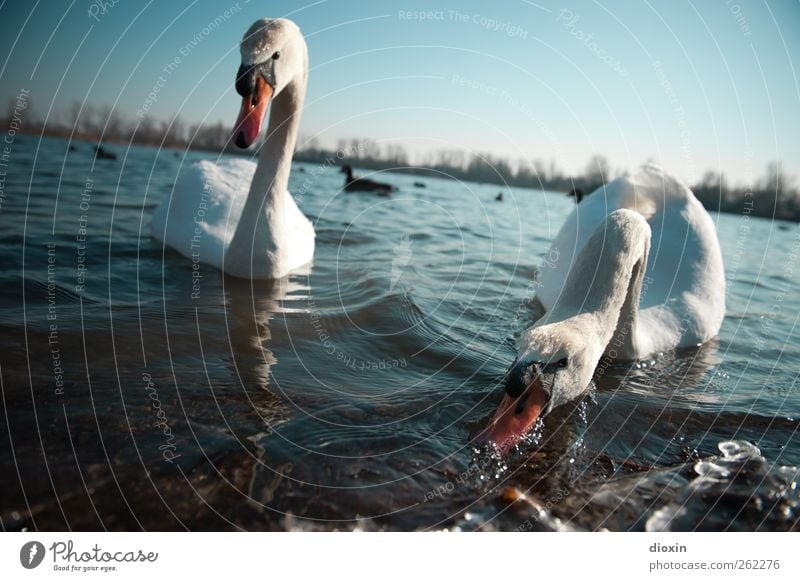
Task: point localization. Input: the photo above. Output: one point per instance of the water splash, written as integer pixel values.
(488, 465)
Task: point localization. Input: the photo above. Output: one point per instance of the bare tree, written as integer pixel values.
(598, 170)
(396, 154)
(776, 179)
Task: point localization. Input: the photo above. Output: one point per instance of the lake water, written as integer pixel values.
(139, 392)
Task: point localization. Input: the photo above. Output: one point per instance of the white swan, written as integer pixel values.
(635, 270)
(234, 214)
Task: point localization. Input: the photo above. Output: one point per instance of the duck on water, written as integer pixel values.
(356, 184)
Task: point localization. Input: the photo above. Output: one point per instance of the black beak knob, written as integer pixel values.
(246, 80)
(519, 376)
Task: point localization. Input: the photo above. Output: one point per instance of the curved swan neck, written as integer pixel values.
(624, 342)
(271, 178)
(258, 246)
(604, 285)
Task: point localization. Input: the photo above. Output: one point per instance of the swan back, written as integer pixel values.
(682, 300)
(199, 217)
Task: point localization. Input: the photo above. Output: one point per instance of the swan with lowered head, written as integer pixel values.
(237, 215)
(635, 270)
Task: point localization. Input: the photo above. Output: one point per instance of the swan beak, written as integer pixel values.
(254, 106)
(514, 417)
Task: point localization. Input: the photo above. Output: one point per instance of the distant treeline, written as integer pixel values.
(774, 195)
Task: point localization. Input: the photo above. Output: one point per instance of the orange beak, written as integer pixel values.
(251, 115)
(514, 417)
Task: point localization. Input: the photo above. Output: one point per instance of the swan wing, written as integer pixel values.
(200, 215)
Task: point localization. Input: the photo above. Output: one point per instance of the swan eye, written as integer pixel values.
(561, 363)
(277, 55)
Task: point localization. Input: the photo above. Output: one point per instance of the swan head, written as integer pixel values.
(273, 56)
(554, 365)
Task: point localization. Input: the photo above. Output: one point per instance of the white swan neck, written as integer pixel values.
(625, 342)
(258, 246)
(605, 283)
(271, 179)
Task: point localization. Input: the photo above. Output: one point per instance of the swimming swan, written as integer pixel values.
(635, 270)
(234, 214)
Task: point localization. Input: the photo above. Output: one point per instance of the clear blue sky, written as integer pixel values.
(546, 83)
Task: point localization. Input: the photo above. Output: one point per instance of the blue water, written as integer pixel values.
(140, 393)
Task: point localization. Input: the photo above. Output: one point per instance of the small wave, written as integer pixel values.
(59, 293)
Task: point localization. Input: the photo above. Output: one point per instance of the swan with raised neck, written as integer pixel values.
(261, 234)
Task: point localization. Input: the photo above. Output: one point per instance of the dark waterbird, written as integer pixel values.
(101, 153)
(356, 184)
(576, 193)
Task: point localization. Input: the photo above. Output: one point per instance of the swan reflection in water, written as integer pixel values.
(239, 408)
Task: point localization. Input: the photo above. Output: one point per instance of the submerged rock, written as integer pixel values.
(739, 490)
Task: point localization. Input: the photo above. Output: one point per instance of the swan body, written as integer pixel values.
(635, 270)
(201, 226)
(683, 300)
(237, 215)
